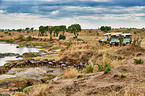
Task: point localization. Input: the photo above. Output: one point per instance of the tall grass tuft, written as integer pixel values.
(70, 73)
(89, 68)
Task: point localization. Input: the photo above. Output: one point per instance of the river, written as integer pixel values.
(11, 48)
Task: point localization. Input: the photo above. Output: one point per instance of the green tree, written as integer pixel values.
(19, 30)
(75, 28)
(41, 30)
(27, 28)
(32, 29)
(50, 30)
(62, 28)
(105, 28)
(56, 30)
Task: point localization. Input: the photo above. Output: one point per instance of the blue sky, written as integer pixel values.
(90, 14)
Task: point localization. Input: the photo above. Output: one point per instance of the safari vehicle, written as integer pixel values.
(126, 38)
(111, 39)
(106, 40)
(114, 39)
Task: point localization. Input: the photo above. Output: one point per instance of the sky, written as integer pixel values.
(90, 14)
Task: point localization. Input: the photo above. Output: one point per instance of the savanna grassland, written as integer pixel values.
(112, 71)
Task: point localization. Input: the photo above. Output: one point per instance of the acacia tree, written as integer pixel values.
(19, 30)
(32, 29)
(56, 30)
(41, 30)
(75, 28)
(105, 28)
(62, 28)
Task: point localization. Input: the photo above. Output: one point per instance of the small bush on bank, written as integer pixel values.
(30, 54)
(70, 73)
(138, 61)
(62, 37)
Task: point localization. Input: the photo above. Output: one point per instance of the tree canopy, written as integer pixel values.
(74, 28)
(105, 28)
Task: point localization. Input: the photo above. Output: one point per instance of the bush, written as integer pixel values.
(123, 76)
(107, 69)
(89, 69)
(70, 73)
(28, 31)
(29, 38)
(62, 37)
(97, 34)
(138, 61)
(10, 34)
(135, 32)
(5, 32)
(30, 54)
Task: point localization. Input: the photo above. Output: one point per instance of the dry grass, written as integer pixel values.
(20, 94)
(132, 90)
(70, 73)
(38, 90)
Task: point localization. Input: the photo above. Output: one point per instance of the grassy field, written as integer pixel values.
(111, 71)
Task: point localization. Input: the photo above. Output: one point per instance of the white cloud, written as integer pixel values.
(2, 11)
(54, 12)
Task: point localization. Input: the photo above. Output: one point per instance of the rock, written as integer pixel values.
(6, 76)
(69, 87)
(76, 89)
(32, 73)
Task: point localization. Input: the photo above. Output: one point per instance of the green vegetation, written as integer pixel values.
(138, 61)
(74, 28)
(29, 38)
(30, 54)
(62, 37)
(89, 68)
(123, 76)
(105, 28)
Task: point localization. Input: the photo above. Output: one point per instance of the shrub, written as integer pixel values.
(30, 54)
(29, 38)
(28, 31)
(79, 76)
(97, 34)
(5, 32)
(135, 32)
(10, 34)
(123, 76)
(70, 73)
(62, 37)
(116, 75)
(107, 69)
(138, 61)
(89, 69)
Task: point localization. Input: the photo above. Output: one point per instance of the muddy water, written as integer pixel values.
(11, 48)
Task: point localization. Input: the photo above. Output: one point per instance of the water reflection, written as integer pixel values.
(11, 48)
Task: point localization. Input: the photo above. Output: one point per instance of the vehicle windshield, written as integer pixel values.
(126, 39)
(114, 39)
(105, 38)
